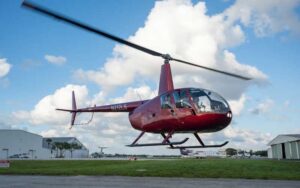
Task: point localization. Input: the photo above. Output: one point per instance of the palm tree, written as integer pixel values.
(74, 146)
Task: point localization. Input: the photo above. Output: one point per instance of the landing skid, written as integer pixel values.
(202, 145)
(159, 144)
(205, 146)
(165, 142)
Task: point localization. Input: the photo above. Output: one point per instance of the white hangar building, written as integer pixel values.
(286, 146)
(22, 144)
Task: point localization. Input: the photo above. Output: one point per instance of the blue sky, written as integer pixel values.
(271, 106)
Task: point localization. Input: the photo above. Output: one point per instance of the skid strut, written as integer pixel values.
(166, 139)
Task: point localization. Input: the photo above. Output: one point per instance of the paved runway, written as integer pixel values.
(130, 182)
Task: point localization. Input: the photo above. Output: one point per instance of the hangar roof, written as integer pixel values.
(283, 138)
(10, 131)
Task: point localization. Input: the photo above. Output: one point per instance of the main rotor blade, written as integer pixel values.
(211, 69)
(61, 17)
(83, 26)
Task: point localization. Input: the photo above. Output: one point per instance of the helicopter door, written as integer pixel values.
(167, 104)
(167, 111)
(182, 103)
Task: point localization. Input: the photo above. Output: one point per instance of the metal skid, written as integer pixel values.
(166, 141)
(202, 145)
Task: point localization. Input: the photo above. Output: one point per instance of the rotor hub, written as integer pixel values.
(167, 58)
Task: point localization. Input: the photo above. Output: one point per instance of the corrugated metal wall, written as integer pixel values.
(287, 149)
(292, 150)
(276, 151)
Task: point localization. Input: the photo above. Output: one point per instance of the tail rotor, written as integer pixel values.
(73, 111)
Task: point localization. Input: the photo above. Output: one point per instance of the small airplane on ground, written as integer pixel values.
(187, 153)
(182, 110)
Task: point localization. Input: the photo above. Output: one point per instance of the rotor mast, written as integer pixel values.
(165, 80)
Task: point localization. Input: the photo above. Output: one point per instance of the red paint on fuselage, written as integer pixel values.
(150, 117)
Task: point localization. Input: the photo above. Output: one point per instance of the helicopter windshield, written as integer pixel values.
(208, 101)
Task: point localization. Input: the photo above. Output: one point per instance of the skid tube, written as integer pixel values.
(202, 145)
(166, 141)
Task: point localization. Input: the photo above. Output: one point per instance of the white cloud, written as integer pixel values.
(186, 32)
(266, 17)
(57, 60)
(238, 105)
(247, 139)
(262, 107)
(4, 67)
(132, 94)
(44, 111)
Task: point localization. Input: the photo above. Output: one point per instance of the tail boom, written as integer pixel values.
(120, 107)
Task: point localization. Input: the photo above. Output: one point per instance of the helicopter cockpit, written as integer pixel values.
(203, 100)
(208, 101)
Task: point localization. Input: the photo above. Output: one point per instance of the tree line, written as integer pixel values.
(61, 147)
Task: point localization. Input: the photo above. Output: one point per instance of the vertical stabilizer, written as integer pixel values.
(74, 108)
(166, 81)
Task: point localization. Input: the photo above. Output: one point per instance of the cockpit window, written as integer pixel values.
(218, 104)
(181, 99)
(165, 101)
(207, 101)
(201, 100)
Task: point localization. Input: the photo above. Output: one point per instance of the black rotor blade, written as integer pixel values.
(73, 22)
(61, 17)
(211, 69)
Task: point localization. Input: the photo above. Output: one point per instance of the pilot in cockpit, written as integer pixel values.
(202, 103)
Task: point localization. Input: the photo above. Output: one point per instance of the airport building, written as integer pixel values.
(76, 148)
(285, 147)
(20, 144)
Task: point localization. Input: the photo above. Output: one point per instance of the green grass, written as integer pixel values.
(193, 168)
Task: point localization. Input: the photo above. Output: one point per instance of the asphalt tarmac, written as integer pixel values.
(130, 182)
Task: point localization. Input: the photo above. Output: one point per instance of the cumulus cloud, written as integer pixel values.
(246, 139)
(140, 93)
(111, 129)
(186, 32)
(238, 105)
(57, 60)
(266, 17)
(262, 107)
(44, 111)
(4, 67)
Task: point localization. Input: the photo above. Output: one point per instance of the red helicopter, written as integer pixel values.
(183, 110)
